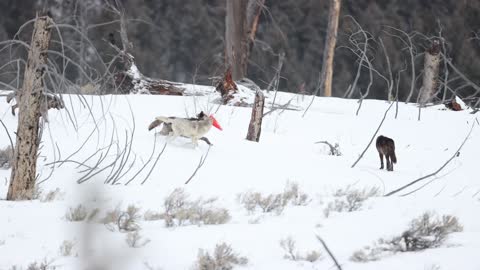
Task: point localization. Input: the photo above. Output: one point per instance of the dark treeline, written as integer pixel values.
(184, 40)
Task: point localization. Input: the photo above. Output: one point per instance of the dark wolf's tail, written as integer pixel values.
(393, 156)
(154, 124)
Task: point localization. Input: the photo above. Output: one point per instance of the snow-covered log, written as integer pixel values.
(132, 81)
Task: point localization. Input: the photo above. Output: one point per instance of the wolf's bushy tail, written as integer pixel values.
(158, 121)
(154, 124)
(393, 156)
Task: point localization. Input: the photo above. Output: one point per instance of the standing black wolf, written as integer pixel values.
(386, 146)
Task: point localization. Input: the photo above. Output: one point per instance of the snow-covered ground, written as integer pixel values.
(34, 230)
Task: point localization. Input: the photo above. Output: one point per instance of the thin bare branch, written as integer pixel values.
(374, 134)
(200, 164)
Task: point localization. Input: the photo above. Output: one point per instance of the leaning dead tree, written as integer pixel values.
(430, 72)
(24, 172)
(130, 79)
(329, 50)
(255, 126)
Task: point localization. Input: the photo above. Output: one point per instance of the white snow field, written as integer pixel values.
(33, 231)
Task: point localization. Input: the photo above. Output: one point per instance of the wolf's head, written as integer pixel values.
(203, 116)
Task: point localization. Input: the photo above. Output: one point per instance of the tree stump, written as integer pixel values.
(453, 105)
(255, 126)
(227, 87)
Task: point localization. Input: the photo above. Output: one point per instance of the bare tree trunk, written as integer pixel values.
(329, 51)
(430, 74)
(22, 181)
(255, 126)
(236, 43)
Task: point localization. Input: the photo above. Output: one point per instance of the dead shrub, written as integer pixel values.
(291, 253)
(424, 232)
(274, 203)
(179, 211)
(76, 214)
(270, 203)
(66, 249)
(123, 221)
(135, 240)
(112, 216)
(93, 214)
(293, 195)
(313, 256)
(223, 258)
(333, 150)
(50, 196)
(349, 200)
(44, 265)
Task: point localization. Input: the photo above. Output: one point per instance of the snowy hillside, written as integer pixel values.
(234, 171)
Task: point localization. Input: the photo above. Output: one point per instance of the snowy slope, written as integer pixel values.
(32, 231)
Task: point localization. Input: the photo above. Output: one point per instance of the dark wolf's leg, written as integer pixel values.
(381, 159)
(389, 162)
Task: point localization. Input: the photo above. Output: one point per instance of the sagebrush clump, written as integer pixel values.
(349, 200)
(424, 232)
(223, 258)
(44, 265)
(76, 214)
(135, 240)
(291, 253)
(51, 195)
(123, 220)
(66, 248)
(274, 203)
(180, 211)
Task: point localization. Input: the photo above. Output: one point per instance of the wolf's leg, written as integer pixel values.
(389, 163)
(195, 142)
(381, 160)
(171, 136)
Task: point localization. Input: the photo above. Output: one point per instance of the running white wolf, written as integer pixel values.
(193, 128)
